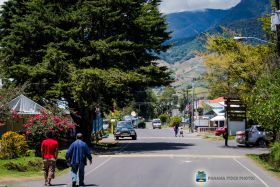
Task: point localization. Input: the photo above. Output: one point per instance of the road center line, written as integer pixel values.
(92, 170)
(103, 163)
(170, 156)
(250, 171)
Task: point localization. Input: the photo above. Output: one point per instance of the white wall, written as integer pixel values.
(235, 126)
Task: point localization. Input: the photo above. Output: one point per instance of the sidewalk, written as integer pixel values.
(110, 139)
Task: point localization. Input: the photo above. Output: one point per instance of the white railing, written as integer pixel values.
(206, 129)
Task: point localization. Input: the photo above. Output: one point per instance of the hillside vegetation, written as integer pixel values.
(188, 27)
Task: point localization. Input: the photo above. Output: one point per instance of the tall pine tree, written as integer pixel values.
(90, 52)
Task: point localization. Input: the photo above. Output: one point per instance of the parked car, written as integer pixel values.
(156, 123)
(219, 131)
(134, 120)
(125, 129)
(252, 136)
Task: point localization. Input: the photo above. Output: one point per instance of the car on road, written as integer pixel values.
(252, 136)
(219, 131)
(156, 123)
(125, 129)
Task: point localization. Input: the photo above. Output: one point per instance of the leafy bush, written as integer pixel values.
(31, 165)
(275, 155)
(15, 166)
(176, 120)
(142, 124)
(38, 125)
(13, 145)
(164, 118)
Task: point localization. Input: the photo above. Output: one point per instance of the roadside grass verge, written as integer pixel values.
(105, 145)
(164, 126)
(263, 161)
(29, 166)
(212, 137)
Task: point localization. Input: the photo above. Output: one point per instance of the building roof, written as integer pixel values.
(24, 105)
(218, 118)
(217, 100)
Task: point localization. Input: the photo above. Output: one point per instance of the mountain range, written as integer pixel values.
(187, 27)
(188, 36)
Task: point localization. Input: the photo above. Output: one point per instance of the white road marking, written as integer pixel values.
(187, 161)
(103, 163)
(92, 170)
(170, 156)
(251, 172)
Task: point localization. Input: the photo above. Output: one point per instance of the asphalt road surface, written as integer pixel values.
(158, 159)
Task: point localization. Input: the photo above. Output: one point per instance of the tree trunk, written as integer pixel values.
(84, 122)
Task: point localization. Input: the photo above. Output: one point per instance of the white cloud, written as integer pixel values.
(171, 6)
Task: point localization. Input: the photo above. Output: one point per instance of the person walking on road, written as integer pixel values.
(77, 155)
(225, 136)
(176, 127)
(49, 150)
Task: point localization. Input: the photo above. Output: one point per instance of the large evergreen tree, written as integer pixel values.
(90, 52)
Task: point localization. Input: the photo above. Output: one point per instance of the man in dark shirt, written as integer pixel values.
(225, 136)
(77, 155)
(49, 150)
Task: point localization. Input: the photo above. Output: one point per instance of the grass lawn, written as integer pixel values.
(29, 166)
(212, 137)
(262, 160)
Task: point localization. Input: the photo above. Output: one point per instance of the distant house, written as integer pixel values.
(219, 120)
(24, 106)
(217, 112)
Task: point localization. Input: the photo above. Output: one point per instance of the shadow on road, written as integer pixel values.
(155, 146)
(138, 147)
(90, 185)
(241, 147)
(58, 184)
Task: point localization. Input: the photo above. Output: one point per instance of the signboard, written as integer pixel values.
(235, 109)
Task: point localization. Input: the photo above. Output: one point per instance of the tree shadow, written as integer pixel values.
(244, 147)
(90, 185)
(138, 147)
(58, 184)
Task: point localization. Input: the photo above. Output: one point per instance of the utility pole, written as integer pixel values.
(277, 6)
(193, 100)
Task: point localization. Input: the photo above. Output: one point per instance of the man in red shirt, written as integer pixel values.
(49, 149)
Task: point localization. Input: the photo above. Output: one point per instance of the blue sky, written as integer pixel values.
(171, 6)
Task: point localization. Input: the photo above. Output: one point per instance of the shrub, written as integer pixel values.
(176, 120)
(15, 166)
(142, 124)
(13, 145)
(275, 154)
(38, 125)
(31, 165)
(164, 118)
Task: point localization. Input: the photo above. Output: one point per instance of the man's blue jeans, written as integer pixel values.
(74, 171)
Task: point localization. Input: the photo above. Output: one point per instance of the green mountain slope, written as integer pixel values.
(189, 27)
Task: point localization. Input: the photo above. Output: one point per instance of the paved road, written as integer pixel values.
(157, 159)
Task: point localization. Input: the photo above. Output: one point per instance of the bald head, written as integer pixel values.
(79, 136)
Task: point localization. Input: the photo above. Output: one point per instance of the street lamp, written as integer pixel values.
(239, 38)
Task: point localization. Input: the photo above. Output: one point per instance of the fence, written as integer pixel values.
(206, 129)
